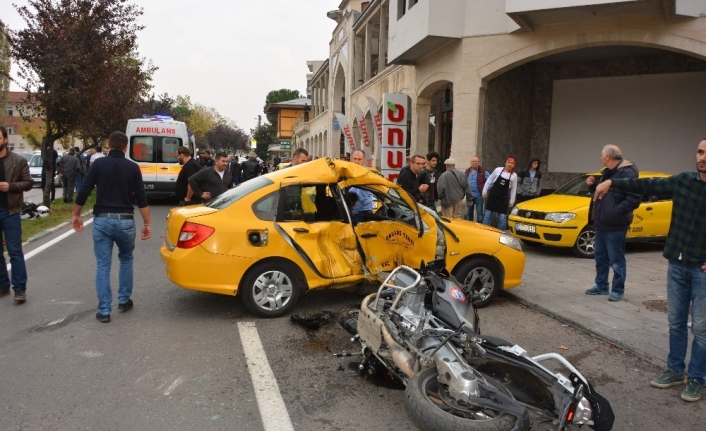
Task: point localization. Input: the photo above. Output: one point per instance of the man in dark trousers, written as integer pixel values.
(14, 180)
(119, 181)
(70, 167)
(209, 183)
(685, 249)
(611, 218)
(189, 166)
(428, 176)
(234, 168)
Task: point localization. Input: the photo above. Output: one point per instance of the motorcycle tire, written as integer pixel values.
(427, 406)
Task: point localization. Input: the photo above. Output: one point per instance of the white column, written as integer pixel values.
(368, 50)
(382, 42)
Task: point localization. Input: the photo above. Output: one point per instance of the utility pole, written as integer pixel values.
(259, 120)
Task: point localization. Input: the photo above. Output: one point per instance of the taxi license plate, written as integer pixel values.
(149, 186)
(525, 228)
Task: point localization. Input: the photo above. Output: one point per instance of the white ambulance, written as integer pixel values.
(152, 144)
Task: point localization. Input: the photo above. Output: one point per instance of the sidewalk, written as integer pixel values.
(554, 282)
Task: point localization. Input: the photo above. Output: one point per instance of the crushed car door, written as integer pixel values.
(317, 226)
(390, 236)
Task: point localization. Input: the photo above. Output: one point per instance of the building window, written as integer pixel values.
(11, 146)
(364, 6)
(401, 8)
(412, 3)
(10, 130)
(9, 110)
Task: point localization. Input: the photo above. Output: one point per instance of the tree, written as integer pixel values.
(266, 136)
(151, 105)
(68, 50)
(227, 137)
(117, 93)
(4, 67)
(281, 95)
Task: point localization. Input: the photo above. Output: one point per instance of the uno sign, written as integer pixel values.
(394, 134)
(156, 130)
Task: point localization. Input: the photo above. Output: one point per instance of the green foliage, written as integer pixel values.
(227, 137)
(265, 135)
(4, 67)
(73, 56)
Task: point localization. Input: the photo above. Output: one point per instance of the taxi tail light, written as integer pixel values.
(193, 234)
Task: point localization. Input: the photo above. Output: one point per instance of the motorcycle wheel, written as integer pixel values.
(430, 407)
(271, 289)
(479, 275)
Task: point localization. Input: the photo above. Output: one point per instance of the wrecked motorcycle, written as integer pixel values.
(422, 329)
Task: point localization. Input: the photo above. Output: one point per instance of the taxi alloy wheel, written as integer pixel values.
(271, 289)
(479, 275)
(584, 246)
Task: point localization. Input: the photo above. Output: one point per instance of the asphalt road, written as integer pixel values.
(176, 361)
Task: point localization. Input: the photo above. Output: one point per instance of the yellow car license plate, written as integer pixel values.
(525, 228)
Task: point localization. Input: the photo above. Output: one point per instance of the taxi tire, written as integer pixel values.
(584, 245)
(247, 289)
(479, 266)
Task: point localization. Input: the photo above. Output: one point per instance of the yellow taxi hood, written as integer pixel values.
(556, 203)
(326, 171)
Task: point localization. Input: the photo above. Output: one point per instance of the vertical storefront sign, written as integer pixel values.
(346, 129)
(394, 134)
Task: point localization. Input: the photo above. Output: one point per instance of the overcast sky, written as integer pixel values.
(227, 54)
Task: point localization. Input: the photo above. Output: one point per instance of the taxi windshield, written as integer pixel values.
(576, 187)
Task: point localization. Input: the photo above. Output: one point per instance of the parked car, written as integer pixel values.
(35, 169)
(276, 236)
(561, 219)
(27, 156)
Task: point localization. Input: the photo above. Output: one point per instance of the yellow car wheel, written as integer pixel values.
(481, 276)
(272, 288)
(584, 245)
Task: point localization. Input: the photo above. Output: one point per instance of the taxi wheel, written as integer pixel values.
(271, 289)
(584, 245)
(479, 275)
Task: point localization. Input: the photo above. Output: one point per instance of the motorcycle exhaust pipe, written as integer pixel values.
(400, 356)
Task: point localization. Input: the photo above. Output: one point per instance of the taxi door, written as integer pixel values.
(652, 217)
(391, 235)
(312, 218)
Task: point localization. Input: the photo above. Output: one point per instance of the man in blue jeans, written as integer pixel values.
(14, 180)
(118, 180)
(685, 249)
(611, 219)
(476, 176)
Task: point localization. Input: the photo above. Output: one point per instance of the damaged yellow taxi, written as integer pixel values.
(275, 237)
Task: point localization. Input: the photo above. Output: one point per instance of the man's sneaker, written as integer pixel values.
(616, 296)
(104, 318)
(595, 290)
(4, 292)
(692, 391)
(667, 379)
(126, 306)
(20, 296)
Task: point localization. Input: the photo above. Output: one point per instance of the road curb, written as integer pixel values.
(50, 230)
(590, 331)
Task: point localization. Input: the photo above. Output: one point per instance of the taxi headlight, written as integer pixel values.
(514, 211)
(560, 217)
(510, 241)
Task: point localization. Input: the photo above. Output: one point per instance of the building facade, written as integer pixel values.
(523, 78)
(18, 116)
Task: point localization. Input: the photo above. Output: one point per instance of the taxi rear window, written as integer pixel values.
(235, 194)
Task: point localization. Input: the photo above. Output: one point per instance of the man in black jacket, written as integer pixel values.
(189, 166)
(612, 217)
(211, 182)
(250, 168)
(408, 178)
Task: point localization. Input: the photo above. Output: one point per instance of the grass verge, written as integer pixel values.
(60, 213)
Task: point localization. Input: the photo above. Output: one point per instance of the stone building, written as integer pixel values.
(555, 79)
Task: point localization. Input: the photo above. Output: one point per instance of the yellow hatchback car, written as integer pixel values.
(279, 235)
(562, 218)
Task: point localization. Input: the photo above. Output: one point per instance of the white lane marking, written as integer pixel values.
(54, 322)
(90, 354)
(143, 376)
(51, 243)
(173, 386)
(269, 401)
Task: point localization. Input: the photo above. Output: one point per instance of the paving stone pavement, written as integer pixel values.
(554, 282)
